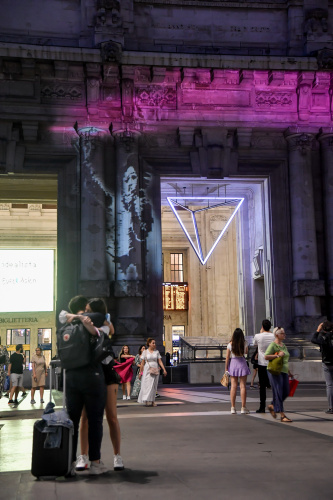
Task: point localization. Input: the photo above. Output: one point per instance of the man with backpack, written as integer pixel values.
(324, 338)
(86, 388)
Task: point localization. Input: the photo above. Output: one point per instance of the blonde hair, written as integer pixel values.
(278, 330)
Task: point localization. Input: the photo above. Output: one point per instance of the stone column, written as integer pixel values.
(307, 288)
(130, 238)
(326, 142)
(93, 270)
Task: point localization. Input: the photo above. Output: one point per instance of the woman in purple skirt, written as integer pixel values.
(238, 368)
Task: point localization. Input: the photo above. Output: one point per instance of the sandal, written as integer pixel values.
(285, 419)
(153, 404)
(270, 408)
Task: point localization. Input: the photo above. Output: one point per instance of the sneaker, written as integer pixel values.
(82, 463)
(128, 397)
(124, 397)
(10, 402)
(118, 463)
(71, 472)
(97, 468)
(42, 401)
(6, 395)
(261, 410)
(233, 410)
(252, 387)
(244, 410)
(16, 402)
(24, 394)
(329, 411)
(32, 402)
(157, 395)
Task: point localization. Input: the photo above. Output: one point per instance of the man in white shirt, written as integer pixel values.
(262, 340)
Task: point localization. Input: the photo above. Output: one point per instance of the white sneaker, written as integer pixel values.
(128, 397)
(82, 463)
(124, 397)
(118, 463)
(233, 410)
(97, 468)
(245, 410)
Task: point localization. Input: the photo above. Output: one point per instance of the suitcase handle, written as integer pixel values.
(55, 363)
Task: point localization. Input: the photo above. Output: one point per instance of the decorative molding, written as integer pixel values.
(62, 91)
(274, 99)
(156, 96)
(301, 142)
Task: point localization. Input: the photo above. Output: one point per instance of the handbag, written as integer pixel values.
(225, 380)
(154, 372)
(293, 383)
(275, 365)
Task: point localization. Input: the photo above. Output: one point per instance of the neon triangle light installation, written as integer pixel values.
(186, 213)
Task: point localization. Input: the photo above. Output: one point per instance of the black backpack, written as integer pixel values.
(74, 345)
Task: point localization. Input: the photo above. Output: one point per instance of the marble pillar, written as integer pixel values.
(130, 239)
(307, 288)
(93, 269)
(326, 141)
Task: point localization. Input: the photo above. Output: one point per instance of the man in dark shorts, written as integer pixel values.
(15, 371)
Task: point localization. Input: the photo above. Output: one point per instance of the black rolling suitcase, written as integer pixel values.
(52, 462)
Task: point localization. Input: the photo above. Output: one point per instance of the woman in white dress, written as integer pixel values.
(150, 359)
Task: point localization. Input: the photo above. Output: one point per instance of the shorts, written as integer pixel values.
(111, 377)
(16, 379)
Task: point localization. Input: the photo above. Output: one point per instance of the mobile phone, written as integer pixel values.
(108, 318)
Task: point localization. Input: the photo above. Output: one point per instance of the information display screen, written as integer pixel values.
(26, 280)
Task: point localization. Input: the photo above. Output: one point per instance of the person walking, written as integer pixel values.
(137, 383)
(279, 382)
(263, 340)
(324, 338)
(4, 362)
(238, 368)
(124, 356)
(151, 360)
(39, 372)
(15, 371)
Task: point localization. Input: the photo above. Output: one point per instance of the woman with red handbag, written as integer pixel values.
(279, 381)
(151, 360)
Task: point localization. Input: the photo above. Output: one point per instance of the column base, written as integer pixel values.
(307, 324)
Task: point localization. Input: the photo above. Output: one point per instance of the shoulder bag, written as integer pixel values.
(154, 372)
(275, 365)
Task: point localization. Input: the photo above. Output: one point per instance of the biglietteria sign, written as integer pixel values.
(187, 216)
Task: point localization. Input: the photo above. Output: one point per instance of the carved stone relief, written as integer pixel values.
(274, 99)
(155, 96)
(62, 92)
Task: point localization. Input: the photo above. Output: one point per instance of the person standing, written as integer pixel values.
(15, 371)
(238, 368)
(279, 382)
(4, 362)
(137, 381)
(150, 358)
(263, 340)
(126, 379)
(324, 338)
(39, 372)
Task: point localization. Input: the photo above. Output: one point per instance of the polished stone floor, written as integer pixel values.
(189, 447)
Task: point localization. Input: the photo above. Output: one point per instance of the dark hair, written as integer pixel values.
(19, 346)
(122, 351)
(238, 342)
(327, 326)
(267, 325)
(77, 303)
(141, 346)
(97, 306)
(149, 341)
